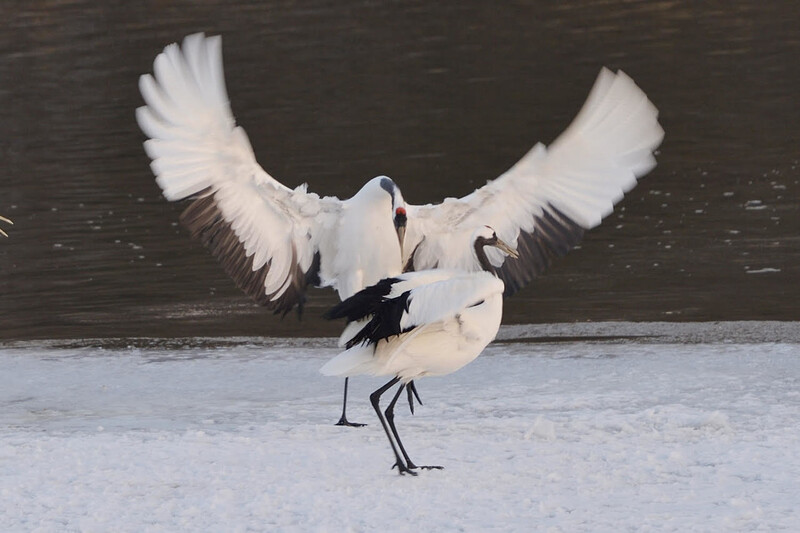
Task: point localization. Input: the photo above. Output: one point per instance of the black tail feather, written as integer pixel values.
(385, 314)
(385, 321)
(363, 303)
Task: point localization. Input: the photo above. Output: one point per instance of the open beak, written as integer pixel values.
(503, 247)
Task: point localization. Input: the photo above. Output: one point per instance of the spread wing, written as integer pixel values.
(546, 201)
(267, 237)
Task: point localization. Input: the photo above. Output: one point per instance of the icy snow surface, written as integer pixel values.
(637, 431)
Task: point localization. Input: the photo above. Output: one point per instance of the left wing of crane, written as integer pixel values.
(267, 236)
(545, 202)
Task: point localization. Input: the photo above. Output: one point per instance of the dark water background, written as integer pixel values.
(439, 96)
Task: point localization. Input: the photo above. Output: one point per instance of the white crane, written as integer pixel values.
(427, 323)
(275, 241)
(7, 221)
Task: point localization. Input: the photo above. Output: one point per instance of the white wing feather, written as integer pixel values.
(585, 171)
(196, 148)
(437, 301)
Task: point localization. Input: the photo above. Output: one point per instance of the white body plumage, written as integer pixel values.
(365, 246)
(451, 317)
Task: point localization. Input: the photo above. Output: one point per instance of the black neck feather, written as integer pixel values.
(480, 242)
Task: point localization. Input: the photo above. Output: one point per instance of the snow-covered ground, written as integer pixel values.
(642, 433)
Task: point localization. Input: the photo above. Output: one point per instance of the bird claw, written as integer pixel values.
(345, 422)
(403, 469)
(412, 466)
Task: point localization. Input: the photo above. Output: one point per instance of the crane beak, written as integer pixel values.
(400, 221)
(401, 236)
(508, 250)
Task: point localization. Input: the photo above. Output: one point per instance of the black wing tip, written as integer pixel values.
(554, 235)
(385, 313)
(360, 338)
(284, 310)
(205, 223)
(363, 303)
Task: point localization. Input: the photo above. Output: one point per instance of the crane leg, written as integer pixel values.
(343, 419)
(390, 419)
(375, 399)
(411, 388)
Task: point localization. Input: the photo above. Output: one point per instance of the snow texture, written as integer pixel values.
(621, 435)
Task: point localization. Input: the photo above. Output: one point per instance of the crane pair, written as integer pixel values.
(422, 286)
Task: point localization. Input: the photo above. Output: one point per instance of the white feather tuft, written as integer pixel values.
(350, 362)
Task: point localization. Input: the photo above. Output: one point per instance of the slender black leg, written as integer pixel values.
(375, 399)
(390, 419)
(343, 420)
(389, 413)
(411, 388)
